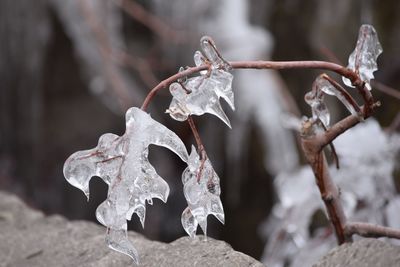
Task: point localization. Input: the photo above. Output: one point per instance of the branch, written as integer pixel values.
(386, 89)
(200, 146)
(340, 127)
(370, 230)
(328, 190)
(277, 65)
(154, 23)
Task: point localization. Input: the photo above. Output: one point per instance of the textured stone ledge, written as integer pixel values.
(28, 238)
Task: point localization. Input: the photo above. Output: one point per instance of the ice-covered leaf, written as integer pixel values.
(201, 188)
(122, 162)
(363, 59)
(199, 95)
(201, 99)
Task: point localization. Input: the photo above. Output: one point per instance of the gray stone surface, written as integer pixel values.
(28, 238)
(364, 253)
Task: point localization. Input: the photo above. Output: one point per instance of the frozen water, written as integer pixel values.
(329, 89)
(202, 190)
(202, 99)
(122, 162)
(363, 59)
(211, 53)
(315, 99)
(200, 95)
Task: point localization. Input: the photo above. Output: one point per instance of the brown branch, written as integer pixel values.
(385, 89)
(117, 84)
(344, 93)
(328, 190)
(200, 146)
(370, 230)
(340, 127)
(277, 65)
(154, 23)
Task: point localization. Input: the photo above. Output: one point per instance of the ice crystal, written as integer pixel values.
(201, 188)
(363, 59)
(122, 163)
(199, 95)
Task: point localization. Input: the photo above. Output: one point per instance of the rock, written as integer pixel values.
(28, 238)
(365, 252)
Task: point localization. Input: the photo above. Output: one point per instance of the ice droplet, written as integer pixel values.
(202, 190)
(363, 59)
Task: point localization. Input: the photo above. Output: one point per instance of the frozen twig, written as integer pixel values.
(277, 65)
(200, 146)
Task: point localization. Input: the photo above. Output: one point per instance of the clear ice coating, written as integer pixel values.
(122, 162)
(199, 95)
(201, 189)
(315, 99)
(325, 86)
(363, 59)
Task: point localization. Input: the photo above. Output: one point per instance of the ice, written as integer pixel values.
(122, 162)
(202, 190)
(211, 53)
(117, 239)
(329, 89)
(315, 99)
(364, 57)
(200, 60)
(201, 94)
(201, 99)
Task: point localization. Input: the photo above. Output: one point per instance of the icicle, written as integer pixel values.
(201, 193)
(201, 99)
(363, 59)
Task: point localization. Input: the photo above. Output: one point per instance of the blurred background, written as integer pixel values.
(70, 69)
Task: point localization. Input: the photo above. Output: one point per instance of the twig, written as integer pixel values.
(370, 230)
(154, 23)
(200, 146)
(395, 125)
(340, 127)
(329, 192)
(261, 65)
(110, 54)
(344, 93)
(385, 89)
